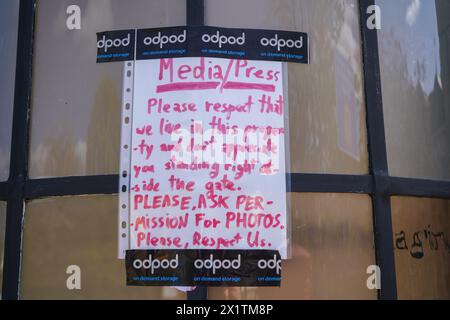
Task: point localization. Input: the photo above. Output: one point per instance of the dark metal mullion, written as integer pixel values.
(4, 190)
(195, 12)
(195, 16)
(73, 186)
(419, 188)
(329, 183)
(19, 152)
(382, 223)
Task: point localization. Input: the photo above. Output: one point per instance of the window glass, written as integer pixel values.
(414, 46)
(82, 232)
(2, 240)
(326, 101)
(332, 246)
(422, 247)
(75, 123)
(9, 23)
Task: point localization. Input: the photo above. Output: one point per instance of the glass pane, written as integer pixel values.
(332, 247)
(415, 72)
(422, 247)
(75, 124)
(326, 101)
(9, 22)
(2, 240)
(81, 231)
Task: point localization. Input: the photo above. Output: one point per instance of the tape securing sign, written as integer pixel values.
(203, 41)
(116, 45)
(214, 268)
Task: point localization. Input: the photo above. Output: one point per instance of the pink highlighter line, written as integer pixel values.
(249, 86)
(180, 86)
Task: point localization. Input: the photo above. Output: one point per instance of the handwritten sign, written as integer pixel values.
(207, 149)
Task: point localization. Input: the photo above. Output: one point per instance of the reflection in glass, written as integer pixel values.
(75, 124)
(326, 102)
(332, 246)
(81, 231)
(422, 247)
(9, 19)
(2, 240)
(415, 76)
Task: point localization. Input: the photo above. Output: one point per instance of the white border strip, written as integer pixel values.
(125, 159)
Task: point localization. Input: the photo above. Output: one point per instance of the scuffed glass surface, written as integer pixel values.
(81, 231)
(326, 100)
(75, 123)
(2, 240)
(332, 246)
(422, 247)
(9, 23)
(415, 75)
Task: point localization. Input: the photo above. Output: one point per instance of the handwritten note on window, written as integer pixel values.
(208, 155)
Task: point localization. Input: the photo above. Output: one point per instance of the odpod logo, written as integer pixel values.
(163, 39)
(221, 39)
(106, 42)
(281, 43)
(273, 264)
(154, 264)
(217, 264)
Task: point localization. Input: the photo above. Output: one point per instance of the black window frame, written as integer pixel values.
(378, 184)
